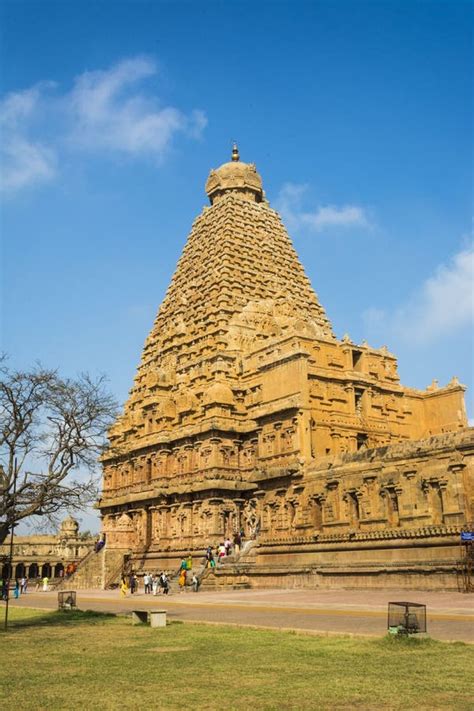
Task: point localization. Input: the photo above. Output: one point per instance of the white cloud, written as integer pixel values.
(330, 215)
(290, 204)
(24, 161)
(106, 110)
(443, 304)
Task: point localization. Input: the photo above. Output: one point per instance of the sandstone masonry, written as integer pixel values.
(247, 411)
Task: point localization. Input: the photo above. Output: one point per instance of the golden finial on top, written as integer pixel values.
(235, 152)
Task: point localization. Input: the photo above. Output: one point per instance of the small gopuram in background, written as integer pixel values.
(248, 413)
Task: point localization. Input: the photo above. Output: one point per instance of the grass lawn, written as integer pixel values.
(90, 661)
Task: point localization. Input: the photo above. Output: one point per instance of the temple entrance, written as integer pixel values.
(58, 570)
(46, 570)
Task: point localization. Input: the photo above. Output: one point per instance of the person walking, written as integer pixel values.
(45, 583)
(154, 584)
(196, 583)
(123, 587)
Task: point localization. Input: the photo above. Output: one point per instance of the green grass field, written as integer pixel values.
(92, 661)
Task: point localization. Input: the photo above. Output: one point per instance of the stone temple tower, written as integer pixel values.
(245, 404)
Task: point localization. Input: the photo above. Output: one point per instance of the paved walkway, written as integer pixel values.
(450, 615)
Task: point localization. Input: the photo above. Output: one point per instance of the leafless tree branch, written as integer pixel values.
(52, 427)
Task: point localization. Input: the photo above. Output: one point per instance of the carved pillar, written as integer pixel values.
(336, 442)
(303, 424)
(215, 443)
(166, 461)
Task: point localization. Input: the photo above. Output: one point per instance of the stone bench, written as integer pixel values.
(157, 618)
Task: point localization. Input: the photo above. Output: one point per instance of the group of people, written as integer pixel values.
(21, 586)
(185, 570)
(153, 584)
(225, 548)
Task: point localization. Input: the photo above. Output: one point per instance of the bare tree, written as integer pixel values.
(53, 428)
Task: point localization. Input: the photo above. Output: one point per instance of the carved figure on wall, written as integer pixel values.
(251, 517)
(290, 508)
(315, 504)
(390, 496)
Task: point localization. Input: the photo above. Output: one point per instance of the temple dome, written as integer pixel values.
(236, 177)
(219, 394)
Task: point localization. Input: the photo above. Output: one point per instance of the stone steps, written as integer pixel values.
(95, 570)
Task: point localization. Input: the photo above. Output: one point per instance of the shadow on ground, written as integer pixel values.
(62, 618)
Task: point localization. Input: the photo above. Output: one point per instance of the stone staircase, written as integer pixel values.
(96, 570)
(233, 571)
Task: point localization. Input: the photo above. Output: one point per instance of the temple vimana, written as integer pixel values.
(248, 412)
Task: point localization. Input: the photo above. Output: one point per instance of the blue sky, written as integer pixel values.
(358, 116)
